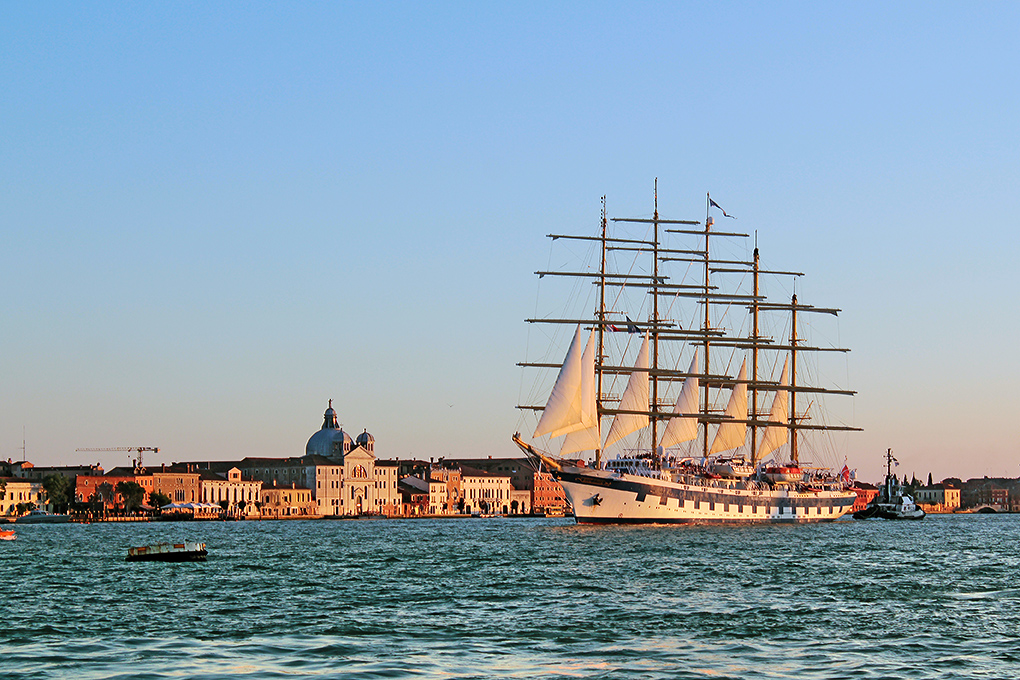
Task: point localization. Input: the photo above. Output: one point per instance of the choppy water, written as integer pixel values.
(505, 598)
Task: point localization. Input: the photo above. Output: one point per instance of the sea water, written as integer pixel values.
(516, 598)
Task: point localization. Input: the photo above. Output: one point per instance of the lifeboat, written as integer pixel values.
(784, 473)
(733, 468)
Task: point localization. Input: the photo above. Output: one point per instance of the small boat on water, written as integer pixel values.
(892, 502)
(7, 535)
(42, 517)
(168, 552)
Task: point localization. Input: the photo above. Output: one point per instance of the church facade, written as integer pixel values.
(363, 484)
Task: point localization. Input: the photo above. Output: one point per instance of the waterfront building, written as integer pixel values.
(486, 492)
(240, 495)
(15, 491)
(438, 500)
(446, 491)
(520, 502)
(996, 493)
(520, 471)
(321, 476)
(940, 497)
(288, 501)
(450, 488)
(387, 475)
(359, 481)
(544, 493)
(102, 491)
(179, 487)
(415, 496)
(547, 495)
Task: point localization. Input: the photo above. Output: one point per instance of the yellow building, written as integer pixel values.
(485, 492)
(18, 491)
(938, 498)
(288, 501)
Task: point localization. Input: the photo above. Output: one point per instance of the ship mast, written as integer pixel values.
(655, 327)
(708, 327)
(600, 354)
(754, 360)
(794, 458)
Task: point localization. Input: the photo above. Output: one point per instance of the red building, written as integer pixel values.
(865, 492)
(91, 489)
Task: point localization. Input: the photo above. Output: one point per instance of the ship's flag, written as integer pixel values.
(631, 327)
(716, 205)
(845, 472)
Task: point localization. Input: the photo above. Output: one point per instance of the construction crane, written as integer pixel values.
(139, 449)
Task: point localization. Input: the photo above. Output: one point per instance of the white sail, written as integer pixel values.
(680, 430)
(589, 436)
(778, 434)
(562, 413)
(635, 398)
(732, 434)
(581, 440)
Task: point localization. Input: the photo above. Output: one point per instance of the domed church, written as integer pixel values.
(365, 485)
(330, 441)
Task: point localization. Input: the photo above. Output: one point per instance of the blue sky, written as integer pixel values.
(217, 218)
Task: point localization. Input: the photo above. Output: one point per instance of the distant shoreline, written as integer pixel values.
(282, 518)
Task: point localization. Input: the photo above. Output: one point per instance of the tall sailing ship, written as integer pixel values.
(693, 461)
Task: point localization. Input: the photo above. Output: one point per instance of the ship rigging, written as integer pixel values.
(763, 481)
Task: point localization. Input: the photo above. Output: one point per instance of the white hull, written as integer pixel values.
(604, 497)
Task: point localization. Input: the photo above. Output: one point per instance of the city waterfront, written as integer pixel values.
(516, 598)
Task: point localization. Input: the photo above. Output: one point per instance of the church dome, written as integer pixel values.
(330, 441)
(366, 440)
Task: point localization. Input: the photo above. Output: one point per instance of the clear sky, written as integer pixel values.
(216, 218)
